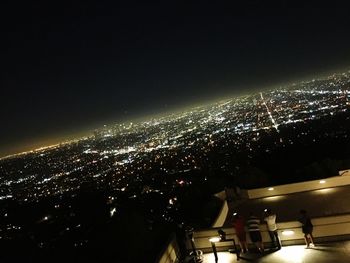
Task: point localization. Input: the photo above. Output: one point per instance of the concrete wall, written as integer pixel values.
(221, 195)
(299, 187)
(325, 229)
(170, 253)
(220, 220)
(344, 172)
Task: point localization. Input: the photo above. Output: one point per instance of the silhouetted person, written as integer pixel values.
(254, 232)
(307, 228)
(238, 224)
(222, 234)
(270, 219)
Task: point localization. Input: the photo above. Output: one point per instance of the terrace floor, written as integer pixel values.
(322, 253)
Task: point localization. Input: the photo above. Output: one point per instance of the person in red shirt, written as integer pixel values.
(238, 224)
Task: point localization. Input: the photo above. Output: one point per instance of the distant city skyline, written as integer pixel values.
(88, 132)
(251, 138)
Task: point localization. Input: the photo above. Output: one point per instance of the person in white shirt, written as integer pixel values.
(270, 219)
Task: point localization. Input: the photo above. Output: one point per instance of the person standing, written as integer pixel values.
(238, 224)
(270, 219)
(254, 232)
(307, 228)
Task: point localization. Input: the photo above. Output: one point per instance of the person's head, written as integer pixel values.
(222, 234)
(268, 211)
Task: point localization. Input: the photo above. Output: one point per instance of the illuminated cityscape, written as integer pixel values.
(118, 156)
(164, 155)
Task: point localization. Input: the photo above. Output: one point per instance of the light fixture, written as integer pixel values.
(288, 232)
(270, 189)
(235, 213)
(324, 190)
(214, 239)
(274, 198)
(322, 181)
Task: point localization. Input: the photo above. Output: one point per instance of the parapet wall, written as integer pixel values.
(220, 220)
(299, 187)
(170, 253)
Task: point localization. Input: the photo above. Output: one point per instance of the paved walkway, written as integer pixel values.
(322, 253)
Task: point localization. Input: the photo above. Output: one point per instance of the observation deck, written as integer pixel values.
(326, 202)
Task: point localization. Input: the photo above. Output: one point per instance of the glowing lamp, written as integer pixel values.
(214, 239)
(288, 232)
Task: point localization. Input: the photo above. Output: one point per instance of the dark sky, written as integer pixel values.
(71, 66)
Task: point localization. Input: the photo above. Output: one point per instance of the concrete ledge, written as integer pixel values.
(299, 187)
(221, 218)
(170, 252)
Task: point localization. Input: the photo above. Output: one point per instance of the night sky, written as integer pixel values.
(70, 67)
